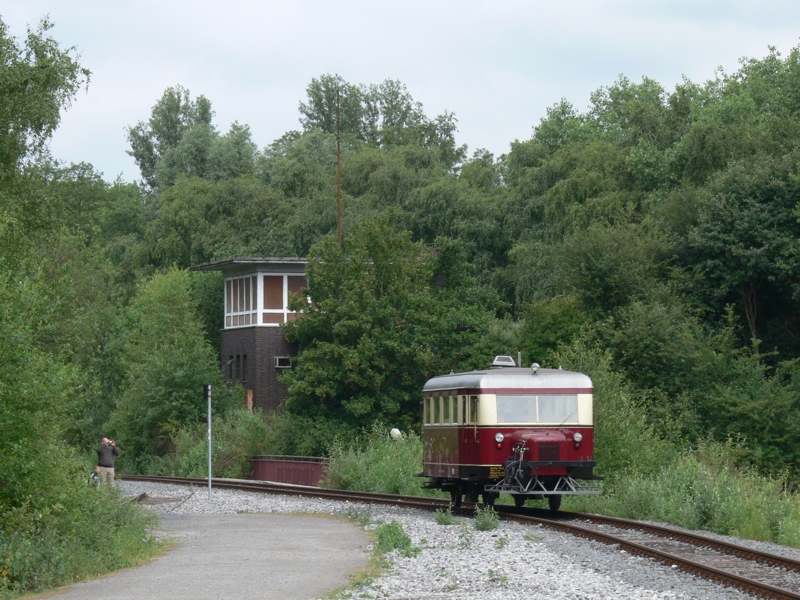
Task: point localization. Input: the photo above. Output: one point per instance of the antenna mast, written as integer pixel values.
(338, 171)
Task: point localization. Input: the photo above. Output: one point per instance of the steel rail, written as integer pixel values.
(743, 552)
(760, 588)
(558, 521)
(294, 490)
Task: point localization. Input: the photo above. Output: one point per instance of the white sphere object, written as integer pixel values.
(395, 433)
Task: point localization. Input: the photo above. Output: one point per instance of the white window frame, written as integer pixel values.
(285, 312)
(233, 314)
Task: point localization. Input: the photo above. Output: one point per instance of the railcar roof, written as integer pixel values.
(512, 378)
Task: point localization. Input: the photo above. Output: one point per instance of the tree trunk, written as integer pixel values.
(751, 312)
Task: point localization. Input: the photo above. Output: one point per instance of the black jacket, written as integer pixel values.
(106, 454)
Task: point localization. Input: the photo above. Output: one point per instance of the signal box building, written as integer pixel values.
(253, 350)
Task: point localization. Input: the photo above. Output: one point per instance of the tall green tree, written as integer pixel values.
(167, 360)
(745, 248)
(324, 94)
(35, 399)
(383, 115)
(49, 518)
(384, 314)
(171, 118)
(37, 82)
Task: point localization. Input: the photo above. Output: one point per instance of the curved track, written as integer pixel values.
(760, 573)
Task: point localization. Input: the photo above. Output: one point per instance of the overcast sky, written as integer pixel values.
(496, 65)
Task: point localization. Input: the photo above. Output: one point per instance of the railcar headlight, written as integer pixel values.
(577, 437)
(499, 437)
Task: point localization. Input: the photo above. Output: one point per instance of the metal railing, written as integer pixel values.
(282, 468)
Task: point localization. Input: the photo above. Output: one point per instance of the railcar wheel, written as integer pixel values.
(554, 501)
(455, 496)
(489, 498)
(519, 501)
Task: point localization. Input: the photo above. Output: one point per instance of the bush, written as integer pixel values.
(299, 435)
(236, 437)
(54, 528)
(625, 441)
(378, 464)
(77, 533)
(651, 477)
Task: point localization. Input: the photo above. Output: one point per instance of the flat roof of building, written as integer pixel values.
(281, 264)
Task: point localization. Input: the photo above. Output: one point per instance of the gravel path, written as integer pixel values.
(513, 561)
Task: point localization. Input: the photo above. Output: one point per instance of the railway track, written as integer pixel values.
(760, 573)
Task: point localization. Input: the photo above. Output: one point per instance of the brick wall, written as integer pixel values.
(260, 345)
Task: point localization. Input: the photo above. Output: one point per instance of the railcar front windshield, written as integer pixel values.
(537, 409)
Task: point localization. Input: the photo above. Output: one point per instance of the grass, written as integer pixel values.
(496, 577)
(387, 537)
(464, 537)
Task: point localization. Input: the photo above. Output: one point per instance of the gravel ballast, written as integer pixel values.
(510, 562)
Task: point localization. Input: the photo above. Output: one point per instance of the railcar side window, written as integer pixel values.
(436, 412)
(473, 409)
(426, 414)
(446, 411)
(558, 409)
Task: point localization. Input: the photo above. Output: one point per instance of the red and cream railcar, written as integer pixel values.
(527, 432)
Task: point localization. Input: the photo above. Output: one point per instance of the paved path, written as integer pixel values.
(243, 556)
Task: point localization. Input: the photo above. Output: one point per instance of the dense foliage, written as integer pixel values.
(54, 529)
(386, 315)
(651, 241)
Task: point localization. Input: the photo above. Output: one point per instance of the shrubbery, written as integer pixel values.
(302, 435)
(486, 519)
(378, 464)
(236, 436)
(73, 533)
(706, 489)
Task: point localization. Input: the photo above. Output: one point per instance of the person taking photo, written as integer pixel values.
(107, 452)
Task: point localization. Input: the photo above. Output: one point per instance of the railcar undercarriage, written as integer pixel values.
(522, 480)
(553, 488)
(521, 487)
